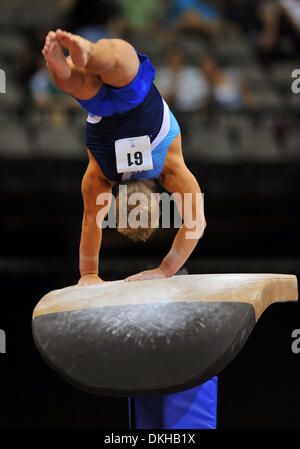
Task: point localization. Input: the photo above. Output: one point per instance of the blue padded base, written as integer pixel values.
(191, 409)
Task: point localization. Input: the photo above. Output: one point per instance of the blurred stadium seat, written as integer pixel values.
(14, 140)
(216, 136)
(59, 143)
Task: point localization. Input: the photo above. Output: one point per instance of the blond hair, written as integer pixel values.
(148, 188)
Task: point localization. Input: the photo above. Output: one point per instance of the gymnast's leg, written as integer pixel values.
(111, 61)
(71, 79)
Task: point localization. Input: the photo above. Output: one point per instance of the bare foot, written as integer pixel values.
(55, 57)
(79, 48)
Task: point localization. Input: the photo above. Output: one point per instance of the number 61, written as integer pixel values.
(138, 158)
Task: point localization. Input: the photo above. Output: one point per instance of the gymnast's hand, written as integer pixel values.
(156, 273)
(89, 279)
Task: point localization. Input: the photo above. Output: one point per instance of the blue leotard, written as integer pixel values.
(131, 111)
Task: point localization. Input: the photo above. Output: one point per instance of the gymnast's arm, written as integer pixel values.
(177, 179)
(93, 184)
(181, 181)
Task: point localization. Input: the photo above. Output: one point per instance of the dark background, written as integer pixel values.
(245, 155)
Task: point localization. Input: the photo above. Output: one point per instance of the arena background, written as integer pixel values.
(240, 125)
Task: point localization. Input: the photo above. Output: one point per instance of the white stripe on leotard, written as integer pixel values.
(165, 127)
(93, 118)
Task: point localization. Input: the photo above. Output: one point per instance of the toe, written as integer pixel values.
(51, 35)
(59, 33)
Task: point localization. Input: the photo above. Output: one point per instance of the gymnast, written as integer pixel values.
(114, 83)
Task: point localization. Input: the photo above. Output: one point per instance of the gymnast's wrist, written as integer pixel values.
(166, 269)
(88, 273)
(172, 263)
(88, 265)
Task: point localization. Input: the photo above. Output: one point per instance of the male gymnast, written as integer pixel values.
(114, 83)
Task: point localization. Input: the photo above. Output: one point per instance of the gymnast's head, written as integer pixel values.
(137, 209)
